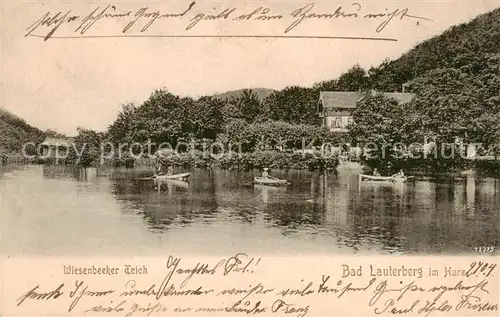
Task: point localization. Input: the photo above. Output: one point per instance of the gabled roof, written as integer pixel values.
(340, 99)
(57, 142)
(348, 99)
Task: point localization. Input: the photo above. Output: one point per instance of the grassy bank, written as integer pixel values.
(233, 161)
(430, 166)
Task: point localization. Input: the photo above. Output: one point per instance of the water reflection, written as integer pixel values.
(219, 210)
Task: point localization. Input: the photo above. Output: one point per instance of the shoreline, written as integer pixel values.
(277, 160)
(419, 174)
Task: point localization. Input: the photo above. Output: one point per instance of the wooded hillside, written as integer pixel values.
(464, 46)
(14, 132)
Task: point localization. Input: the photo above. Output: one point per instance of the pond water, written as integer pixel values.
(54, 210)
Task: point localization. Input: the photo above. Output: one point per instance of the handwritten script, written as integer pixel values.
(234, 285)
(139, 22)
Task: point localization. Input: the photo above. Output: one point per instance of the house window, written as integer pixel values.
(336, 123)
(61, 151)
(350, 121)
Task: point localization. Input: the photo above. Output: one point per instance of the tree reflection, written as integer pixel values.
(420, 216)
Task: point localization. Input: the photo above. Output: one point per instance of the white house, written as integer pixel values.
(52, 146)
(336, 107)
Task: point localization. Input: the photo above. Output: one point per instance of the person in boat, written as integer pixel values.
(158, 170)
(265, 173)
(399, 174)
(375, 172)
(170, 171)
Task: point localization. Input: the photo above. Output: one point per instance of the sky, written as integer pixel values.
(64, 83)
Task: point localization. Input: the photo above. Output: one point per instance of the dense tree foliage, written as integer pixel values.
(378, 118)
(297, 105)
(356, 78)
(165, 117)
(378, 126)
(452, 99)
(15, 132)
(276, 135)
(459, 46)
(455, 78)
(248, 106)
(53, 134)
(118, 131)
(86, 149)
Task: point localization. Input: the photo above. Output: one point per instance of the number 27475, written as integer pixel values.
(484, 249)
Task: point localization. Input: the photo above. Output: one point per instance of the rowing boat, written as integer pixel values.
(386, 179)
(364, 177)
(175, 176)
(181, 176)
(270, 181)
(143, 178)
(268, 188)
(177, 182)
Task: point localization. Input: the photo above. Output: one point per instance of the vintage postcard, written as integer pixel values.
(240, 158)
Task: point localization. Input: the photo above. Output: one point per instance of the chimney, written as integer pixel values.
(404, 87)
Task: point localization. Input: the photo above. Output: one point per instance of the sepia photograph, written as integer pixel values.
(235, 158)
